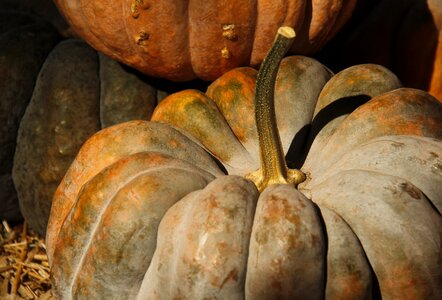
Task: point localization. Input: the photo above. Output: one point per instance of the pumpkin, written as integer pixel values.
(147, 211)
(181, 40)
(403, 35)
(54, 91)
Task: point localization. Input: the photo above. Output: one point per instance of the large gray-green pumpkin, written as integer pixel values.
(76, 93)
(148, 200)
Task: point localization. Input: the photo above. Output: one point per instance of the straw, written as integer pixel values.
(24, 268)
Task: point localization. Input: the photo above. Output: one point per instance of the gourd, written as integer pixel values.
(199, 203)
(53, 90)
(182, 40)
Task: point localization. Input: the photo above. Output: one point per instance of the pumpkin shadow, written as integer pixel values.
(303, 140)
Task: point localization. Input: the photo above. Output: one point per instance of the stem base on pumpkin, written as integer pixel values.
(293, 177)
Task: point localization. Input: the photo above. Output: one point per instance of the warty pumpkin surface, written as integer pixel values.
(151, 200)
(182, 40)
(54, 95)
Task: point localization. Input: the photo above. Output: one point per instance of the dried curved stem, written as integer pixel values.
(273, 165)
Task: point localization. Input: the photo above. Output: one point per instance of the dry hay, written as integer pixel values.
(24, 268)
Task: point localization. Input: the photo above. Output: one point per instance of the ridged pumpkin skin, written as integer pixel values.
(146, 200)
(76, 93)
(182, 40)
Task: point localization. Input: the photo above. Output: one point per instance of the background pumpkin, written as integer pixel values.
(182, 40)
(405, 36)
(76, 93)
(216, 239)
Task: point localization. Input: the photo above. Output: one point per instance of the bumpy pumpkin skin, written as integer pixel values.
(227, 241)
(25, 42)
(76, 93)
(181, 40)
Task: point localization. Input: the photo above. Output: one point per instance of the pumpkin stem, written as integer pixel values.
(273, 165)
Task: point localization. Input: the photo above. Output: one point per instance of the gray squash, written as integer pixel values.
(361, 216)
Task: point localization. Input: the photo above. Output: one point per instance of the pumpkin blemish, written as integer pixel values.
(233, 275)
(410, 190)
(229, 32)
(225, 53)
(142, 38)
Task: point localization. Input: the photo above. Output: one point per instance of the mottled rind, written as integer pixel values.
(349, 275)
(402, 111)
(342, 94)
(397, 226)
(234, 95)
(206, 125)
(127, 199)
(226, 112)
(203, 244)
(287, 247)
(108, 146)
(413, 158)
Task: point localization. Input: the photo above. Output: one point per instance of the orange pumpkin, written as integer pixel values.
(151, 200)
(182, 40)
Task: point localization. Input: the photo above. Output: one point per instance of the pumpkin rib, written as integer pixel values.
(103, 276)
(405, 267)
(210, 232)
(98, 218)
(159, 33)
(181, 40)
(291, 14)
(287, 247)
(220, 35)
(207, 125)
(402, 111)
(141, 136)
(417, 156)
(348, 272)
(340, 96)
(233, 94)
